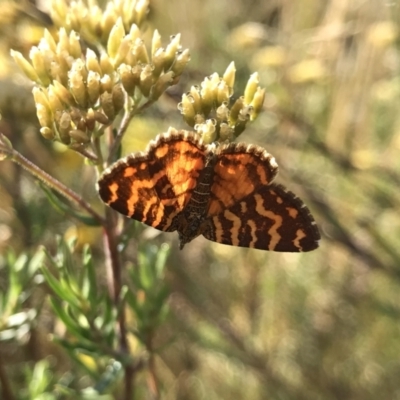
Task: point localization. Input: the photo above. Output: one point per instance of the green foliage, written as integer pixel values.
(15, 319)
(95, 306)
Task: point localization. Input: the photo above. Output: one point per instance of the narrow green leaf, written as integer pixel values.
(70, 323)
(60, 288)
(90, 276)
(62, 206)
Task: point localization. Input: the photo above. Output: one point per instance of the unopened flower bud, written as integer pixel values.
(106, 84)
(251, 88)
(187, 109)
(39, 65)
(106, 65)
(146, 80)
(114, 40)
(229, 75)
(74, 45)
(63, 94)
(25, 66)
(47, 133)
(257, 102)
(118, 96)
(162, 83)
(140, 51)
(93, 87)
(79, 136)
(155, 43)
(223, 92)
(77, 88)
(235, 110)
(197, 100)
(107, 105)
(92, 62)
(171, 51)
(100, 118)
(180, 63)
(127, 78)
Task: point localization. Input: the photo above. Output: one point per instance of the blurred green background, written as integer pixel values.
(248, 324)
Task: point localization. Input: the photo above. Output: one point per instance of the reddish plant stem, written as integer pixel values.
(114, 275)
(52, 182)
(6, 392)
(152, 376)
(123, 127)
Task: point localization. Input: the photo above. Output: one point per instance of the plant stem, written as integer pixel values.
(6, 392)
(152, 377)
(124, 126)
(114, 272)
(52, 182)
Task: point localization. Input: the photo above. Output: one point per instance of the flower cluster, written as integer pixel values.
(207, 108)
(95, 24)
(78, 95)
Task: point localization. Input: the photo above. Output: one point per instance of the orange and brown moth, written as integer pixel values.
(224, 193)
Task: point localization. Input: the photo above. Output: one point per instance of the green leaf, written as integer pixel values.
(70, 323)
(89, 284)
(40, 381)
(60, 288)
(61, 205)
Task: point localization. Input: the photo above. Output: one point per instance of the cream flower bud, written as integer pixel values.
(115, 38)
(207, 95)
(25, 66)
(90, 121)
(47, 133)
(229, 75)
(141, 8)
(107, 105)
(92, 62)
(51, 43)
(63, 94)
(146, 80)
(186, 108)
(251, 88)
(106, 84)
(54, 101)
(235, 110)
(63, 41)
(108, 21)
(127, 79)
(171, 50)
(207, 131)
(39, 65)
(77, 87)
(140, 51)
(158, 62)
(180, 62)
(106, 65)
(100, 118)
(222, 112)
(223, 92)
(197, 100)
(40, 97)
(155, 43)
(162, 83)
(64, 123)
(93, 87)
(134, 33)
(74, 45)
(118, 96)
(225, 132)
(124, 48)
(44, 115)
(257, 103)
(79, 136)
